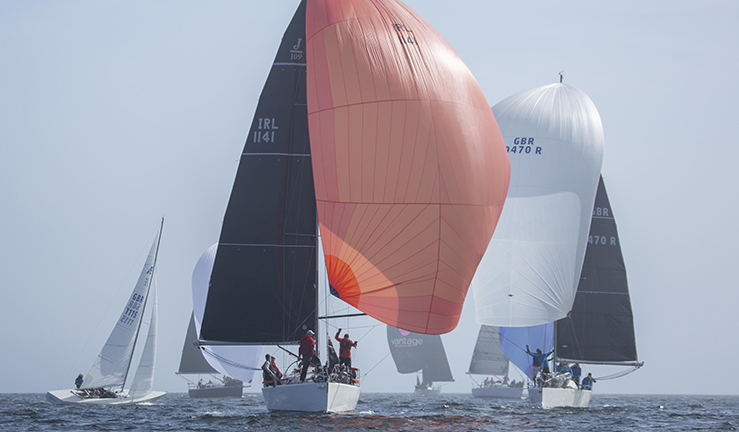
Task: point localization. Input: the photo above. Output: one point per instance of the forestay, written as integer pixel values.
(529, 274)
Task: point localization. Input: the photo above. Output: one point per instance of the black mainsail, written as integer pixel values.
(263, 285)
(600, 328)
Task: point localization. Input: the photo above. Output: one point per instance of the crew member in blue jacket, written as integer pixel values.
(540, 360)
(587, 382)
(78, 381)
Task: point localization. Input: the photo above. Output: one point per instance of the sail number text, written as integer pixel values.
(523, 145)
(265, 131)
(405, 34)
(602, 240)
(132, 309)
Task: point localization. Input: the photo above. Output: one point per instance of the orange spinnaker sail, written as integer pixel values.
(409, 166)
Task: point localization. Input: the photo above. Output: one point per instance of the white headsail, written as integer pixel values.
(143, 381)
(530, 271)
(112, 364)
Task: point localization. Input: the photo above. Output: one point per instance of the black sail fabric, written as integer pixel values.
(263, 284)
(413, 352)
(600, 328)
(192, 360)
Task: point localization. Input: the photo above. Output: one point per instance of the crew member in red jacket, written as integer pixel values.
(345, 351)
(307, 352)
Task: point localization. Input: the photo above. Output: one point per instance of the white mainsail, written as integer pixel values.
(530, 271)
(112, 364)
(143, 381)
(235, 361)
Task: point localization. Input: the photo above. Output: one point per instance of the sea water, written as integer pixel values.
(377, 412)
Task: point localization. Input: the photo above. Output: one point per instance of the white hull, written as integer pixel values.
(312, 397)
(216, 392)
(427, 392)
(500, 391)
(70, 396)
(559, 397)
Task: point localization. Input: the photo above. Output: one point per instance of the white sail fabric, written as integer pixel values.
(143, 381)
(488, 357)
(235, 361)
(111, 365)
(530, 271)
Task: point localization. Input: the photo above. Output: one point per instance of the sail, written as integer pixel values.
(513, 341)
(413, 352)
(488, 357)
(409, 167)
(192, 360)
(235, 361)
(601, 326)
(263, 285)
(143, 380)
(111, 365)
(529, 274)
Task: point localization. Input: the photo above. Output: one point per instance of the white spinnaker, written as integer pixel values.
(143, 381)
(235, 361)
(109, 369)
(530, 271)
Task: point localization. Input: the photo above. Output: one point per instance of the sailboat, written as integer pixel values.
(414, 352)
(600, 329)
(230, 366)
(530, 272)
(359, 135)
(489, 359)
(106, 382)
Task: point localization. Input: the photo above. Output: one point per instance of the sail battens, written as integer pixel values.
(271, 245)
(276, 154)
(288, 64)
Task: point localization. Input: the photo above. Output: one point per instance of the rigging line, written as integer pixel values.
(105, 313)
(378, 363)
(619, 374)
(228, 362)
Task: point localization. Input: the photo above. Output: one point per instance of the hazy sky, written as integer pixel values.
(116, 113)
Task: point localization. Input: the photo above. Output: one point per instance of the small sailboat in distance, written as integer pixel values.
(105, 383)
(414, 352)
(359, 135)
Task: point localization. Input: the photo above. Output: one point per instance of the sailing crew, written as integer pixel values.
(576, 373)
(268, 377)
(78, 381)
(540, 360)
(306, 352)
(345, 350)
(563, 367)
(275, 370)
(588, 381)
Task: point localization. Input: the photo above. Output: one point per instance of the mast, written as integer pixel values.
(143, 309)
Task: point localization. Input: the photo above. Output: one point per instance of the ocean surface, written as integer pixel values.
(377, 412)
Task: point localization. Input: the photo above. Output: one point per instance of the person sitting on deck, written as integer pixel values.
(562, 367)
(588, 381)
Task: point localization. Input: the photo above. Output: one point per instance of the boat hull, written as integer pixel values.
(502, 392)
(559, 397)
(312, 397)
(216, 392)
(70, 396)
(428, 392)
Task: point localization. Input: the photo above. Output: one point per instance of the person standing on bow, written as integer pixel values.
(307, 352)
(345, 350)
(540, 360)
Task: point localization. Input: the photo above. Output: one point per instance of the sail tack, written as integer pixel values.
(554, 138)
(263, 285)
(409, 167)
(601, 326)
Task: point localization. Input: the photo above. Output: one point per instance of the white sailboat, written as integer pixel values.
(105, 383)
(488, 359)
(359, 135)
(530, 271)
